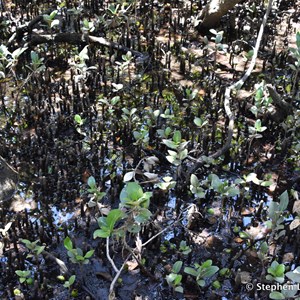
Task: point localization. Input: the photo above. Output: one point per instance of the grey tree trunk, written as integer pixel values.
(215, 10)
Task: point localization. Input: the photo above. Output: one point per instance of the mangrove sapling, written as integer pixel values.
(276, 216)
(95, 195)
(148, 163)
(68, 284)
(34, 248)
(217, 47)
(24, 276)
(180, 154)
(184, 248)
(76, 255)
(202, 272)
(174, 279)
(255, 133)
(276, 272)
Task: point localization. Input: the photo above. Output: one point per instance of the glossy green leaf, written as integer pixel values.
(177, 266)
(294, 275)
(170, 144)
(131, 192)
(113, 216)
(276, 295)
(89, 254)
(68, 243)
(210, 271)
(102, 233)
(177, 136)
(190, 271)
(72, 279)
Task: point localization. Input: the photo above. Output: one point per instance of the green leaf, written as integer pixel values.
(170, 144)
(102, 222)
(131, 192)
(215, 181)
(244, 235)
(199, 122)
(210, 271)
(183, 154)
(102, 233)
(177, 266)
(68, 243)
(290, 291)
(134, 228)
(179, 289)
(79, 258)
(280, 270)
(72, 279)
(206, 264)
(26, 242)
(295, 275)
(113, 216)
(177, 136)
(78, 119)
(115, 100)
(84, 53)
(190, 271)
(266, 183)
(89, 254)
(22, 273)
(201, 282)
(194, 180)
(173, 160)
(143, 216)
(276, 295)
(171, 277)
(39, 249)
(232, 191)
(298, 40)
(91, 182)
(178, 279)
(284, 201)
(53, 14)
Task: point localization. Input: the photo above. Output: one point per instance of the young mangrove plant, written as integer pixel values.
(24, 276)
(202, 272)
(94, 193)
(76, 254)
(174, 279)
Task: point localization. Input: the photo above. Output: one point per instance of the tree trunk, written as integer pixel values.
(215, 10)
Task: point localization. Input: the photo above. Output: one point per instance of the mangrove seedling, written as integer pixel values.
(174, 279)
(195, 187)
(276, 272)
(184, 248)
(201, 272)
(94, 192)
(76, 254)
(167, 184)
(24, 276)
(34, 248)
(222, 186)
(276, 214)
